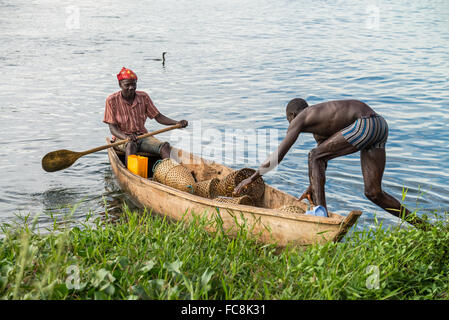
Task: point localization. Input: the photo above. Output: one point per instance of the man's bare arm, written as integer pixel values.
(117, 132)
(276, 157)
(168, 122)
(165, 120)
(293, 131)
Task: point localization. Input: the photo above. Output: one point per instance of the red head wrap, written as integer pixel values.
(126, 74)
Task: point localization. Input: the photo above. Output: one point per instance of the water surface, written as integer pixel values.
(233, 65)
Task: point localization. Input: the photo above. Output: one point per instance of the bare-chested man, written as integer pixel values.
(339, 128)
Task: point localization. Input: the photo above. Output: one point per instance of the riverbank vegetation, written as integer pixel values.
(144, 256)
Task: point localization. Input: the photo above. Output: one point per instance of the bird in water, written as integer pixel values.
(158, 59)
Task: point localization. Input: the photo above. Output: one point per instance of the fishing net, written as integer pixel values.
(179, 177)
(244, 200)
(292, 209)
(174, 175)
(227, 185)
(161, 168)
(206, 189)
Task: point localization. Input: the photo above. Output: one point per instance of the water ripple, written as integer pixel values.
(235, 66)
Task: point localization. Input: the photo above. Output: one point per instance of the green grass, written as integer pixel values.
(142, 256)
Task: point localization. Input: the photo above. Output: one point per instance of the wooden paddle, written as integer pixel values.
(61, 159)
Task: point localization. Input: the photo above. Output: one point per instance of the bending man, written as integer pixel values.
(339, 128)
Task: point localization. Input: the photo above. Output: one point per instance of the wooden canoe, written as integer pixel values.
(267, 224)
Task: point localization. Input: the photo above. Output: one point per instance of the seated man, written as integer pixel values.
(126, 112)
(339, 128)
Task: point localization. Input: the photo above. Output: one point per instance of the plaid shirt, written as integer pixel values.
(129, 118)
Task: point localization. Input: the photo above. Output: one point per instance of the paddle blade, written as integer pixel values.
(58, 160)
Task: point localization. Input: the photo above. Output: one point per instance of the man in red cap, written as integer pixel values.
(126, 112)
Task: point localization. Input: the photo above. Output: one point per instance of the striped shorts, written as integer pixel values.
(367, 132)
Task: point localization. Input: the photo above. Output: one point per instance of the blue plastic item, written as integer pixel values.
(319, 211)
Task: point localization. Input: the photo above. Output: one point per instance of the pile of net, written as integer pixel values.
(292, 209)
(175, 175)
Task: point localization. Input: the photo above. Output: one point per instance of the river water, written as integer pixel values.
(231, 65)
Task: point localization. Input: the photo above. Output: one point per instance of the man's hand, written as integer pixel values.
(242, 185)
(307, 194)
(183, 123)
(132, 137)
